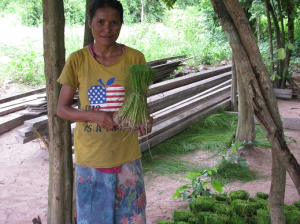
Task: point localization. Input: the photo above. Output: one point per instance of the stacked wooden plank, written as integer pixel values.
(175, 104)
(165, 66)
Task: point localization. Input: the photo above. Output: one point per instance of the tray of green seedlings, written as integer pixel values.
(233, 208)
(134, 111)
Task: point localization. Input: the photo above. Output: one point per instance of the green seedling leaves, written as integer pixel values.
(217, 186)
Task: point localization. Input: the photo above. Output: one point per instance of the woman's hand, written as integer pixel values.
(103, 119)
(145, 129)
(66, 111)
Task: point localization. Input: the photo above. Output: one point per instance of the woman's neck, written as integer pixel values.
(107, 55)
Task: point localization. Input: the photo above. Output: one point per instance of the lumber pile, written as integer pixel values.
(175, 104)
(14, 112)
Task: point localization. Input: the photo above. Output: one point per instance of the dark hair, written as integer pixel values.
(96, 4)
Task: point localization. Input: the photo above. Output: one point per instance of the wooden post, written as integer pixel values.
(60, 153)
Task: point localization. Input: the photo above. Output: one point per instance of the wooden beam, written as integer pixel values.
(283, 93)
(4, 100)
(185, 80)
(13, 122)
(162, 100)
(148, 143)
(181, 117)
(291, 123)
(163, 60)
(36, 121)
(189, 103)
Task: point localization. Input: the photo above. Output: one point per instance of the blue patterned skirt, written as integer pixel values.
(111, 198)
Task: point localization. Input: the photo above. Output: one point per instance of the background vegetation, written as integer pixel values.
(190, 28)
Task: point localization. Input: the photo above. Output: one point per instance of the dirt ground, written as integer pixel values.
(24, 177)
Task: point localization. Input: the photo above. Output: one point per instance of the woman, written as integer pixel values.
(109, 178)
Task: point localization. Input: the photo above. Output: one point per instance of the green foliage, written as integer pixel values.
(197, 185)
(22, 66)
(74, 12)
(153, 11)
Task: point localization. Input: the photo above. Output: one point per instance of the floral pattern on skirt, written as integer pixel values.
(111, 198)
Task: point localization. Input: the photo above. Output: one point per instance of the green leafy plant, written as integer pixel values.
(197, 185)
(238, 145)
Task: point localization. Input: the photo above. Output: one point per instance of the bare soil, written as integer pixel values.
(24, 177)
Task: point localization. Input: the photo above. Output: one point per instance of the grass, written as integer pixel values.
(213, 134)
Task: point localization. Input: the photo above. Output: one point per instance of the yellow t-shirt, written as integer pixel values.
(101, 88)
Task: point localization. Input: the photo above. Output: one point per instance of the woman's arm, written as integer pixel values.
(66, 111)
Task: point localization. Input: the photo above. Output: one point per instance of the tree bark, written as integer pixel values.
(88, 36)
(60, 153)
(257, 79)
(277, 191)
(245, 131)
(234, 102)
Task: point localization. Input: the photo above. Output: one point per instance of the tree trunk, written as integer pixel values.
(277, 191)
(88, 36)
(245, 131)
(234, 102)
(60, 153)
(261, 93)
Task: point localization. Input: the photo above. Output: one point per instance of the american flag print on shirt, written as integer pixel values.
(107, 97)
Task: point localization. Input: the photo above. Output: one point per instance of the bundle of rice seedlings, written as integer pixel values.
(181, 215)
(192, 220)
(262, 195)
(235, 219)
(134, 111)
(202, 203)
(263, 216)
(209, 218)
(244, 208)
(239, 194)
(297, 204)
(223, 209)
(165, 222)
(221, 196)
(292, 217)
(290, 208)
(262, 202)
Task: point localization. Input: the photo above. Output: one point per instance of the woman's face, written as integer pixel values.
(106, 26)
